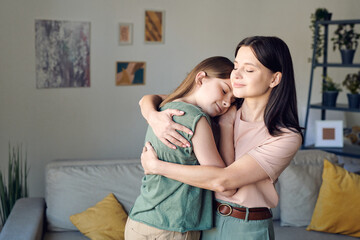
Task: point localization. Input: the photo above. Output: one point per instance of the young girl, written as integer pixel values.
(168, 209)
(265, 134)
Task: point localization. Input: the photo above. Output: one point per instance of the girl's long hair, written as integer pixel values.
(214, 67)
(281, 109)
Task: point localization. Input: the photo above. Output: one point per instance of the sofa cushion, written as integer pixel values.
(299, 186)
(105, 220)
(300, 233)
(72, 186)
(313, 157)
(337, 208)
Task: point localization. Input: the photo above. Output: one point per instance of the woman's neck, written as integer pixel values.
(253, 110)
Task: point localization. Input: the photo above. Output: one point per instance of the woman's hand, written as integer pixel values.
(149, 159)
(165, 128)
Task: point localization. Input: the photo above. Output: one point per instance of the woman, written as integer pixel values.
(264, 132)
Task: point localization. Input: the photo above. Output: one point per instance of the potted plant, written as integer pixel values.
(330, 90)
(320, 14)
(16, 185)
(352, 83)
(346, 40)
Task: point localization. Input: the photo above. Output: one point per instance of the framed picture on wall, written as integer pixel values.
(130, 73)
(329, 133)
(62, 50)
(125, 33)
(154, 26)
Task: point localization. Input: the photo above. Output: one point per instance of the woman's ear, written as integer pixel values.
(200, 77)
(276, 79)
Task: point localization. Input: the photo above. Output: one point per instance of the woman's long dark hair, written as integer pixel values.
(281, 109)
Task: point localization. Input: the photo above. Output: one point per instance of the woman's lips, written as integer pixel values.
(238, 85)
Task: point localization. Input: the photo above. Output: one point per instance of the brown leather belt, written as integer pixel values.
(254, 213)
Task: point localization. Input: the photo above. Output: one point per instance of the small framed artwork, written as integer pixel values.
(329, 133)
(130, 73)
(125, 33)
(154, 26)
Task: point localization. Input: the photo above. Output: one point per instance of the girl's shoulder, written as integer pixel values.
(192, 113)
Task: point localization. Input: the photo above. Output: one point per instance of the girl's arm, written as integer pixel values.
(162, 123)
(226, 147)
(242, 172)
(205, 150)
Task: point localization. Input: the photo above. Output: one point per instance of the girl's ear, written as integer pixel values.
(276, 79)
(200, 77)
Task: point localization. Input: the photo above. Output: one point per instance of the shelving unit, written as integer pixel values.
(349, 151)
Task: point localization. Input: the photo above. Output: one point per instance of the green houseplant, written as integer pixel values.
(352, 83)
(330, 90)
(16, 185)
(319, 15)
(346, 40)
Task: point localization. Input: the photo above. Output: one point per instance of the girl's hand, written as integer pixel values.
(228, 118)
(165, 128)
(149, 159)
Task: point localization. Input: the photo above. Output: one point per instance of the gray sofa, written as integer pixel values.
(72, 186)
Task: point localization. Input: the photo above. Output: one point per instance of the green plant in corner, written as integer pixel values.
(320, 14)
(16, 185)
(329, 85)
(352, 82)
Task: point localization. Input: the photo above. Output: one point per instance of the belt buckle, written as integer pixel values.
(227, 205)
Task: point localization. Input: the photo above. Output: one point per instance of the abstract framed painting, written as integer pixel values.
(154, 26)
(62, 50)
(130, 73)
(329, 133)
(125, 33)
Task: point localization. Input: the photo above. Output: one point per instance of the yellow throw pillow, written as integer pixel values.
(337, 209)
(105, 220)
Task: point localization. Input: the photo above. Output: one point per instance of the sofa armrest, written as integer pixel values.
(26, 220)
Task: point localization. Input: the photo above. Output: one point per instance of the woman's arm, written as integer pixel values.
(162, 123)
(242, 172)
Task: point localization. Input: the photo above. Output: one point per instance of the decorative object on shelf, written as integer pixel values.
(352, 83)
(130, 73)
(154, 26)
(319, 15)
(352, 135)
(346, 40)
(329, 133)
(330, 91)
(16, 185)
(125, 33)
(62, 51)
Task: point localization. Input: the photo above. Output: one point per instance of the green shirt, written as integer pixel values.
(168, 204)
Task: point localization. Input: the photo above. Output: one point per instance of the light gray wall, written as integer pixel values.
(104, 121)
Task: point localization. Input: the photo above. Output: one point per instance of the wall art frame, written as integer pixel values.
(62, 52)
(329, 133)
(130, 73)
(125, 33)
(154, 30)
